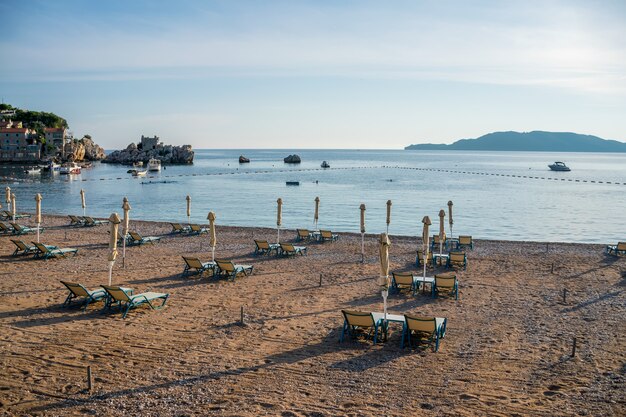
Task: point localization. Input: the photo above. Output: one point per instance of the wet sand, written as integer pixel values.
(507, 350)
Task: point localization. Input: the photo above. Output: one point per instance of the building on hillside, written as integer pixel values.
(149, 143)
(58, 138)
(17, 144)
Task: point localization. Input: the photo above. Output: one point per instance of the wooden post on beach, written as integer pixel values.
(242, 317)
(564, 295)
(552, 268)
(89, 379)
(574, 347)
(320, 280)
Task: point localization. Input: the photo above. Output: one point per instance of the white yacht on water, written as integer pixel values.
(154, 165)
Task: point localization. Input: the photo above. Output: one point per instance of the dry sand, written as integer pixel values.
(506, 352)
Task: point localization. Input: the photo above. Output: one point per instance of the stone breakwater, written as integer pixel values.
(168, 154)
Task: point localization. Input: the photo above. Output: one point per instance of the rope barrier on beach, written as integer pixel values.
(269, 171)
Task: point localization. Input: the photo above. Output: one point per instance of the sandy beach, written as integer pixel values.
(507, 350)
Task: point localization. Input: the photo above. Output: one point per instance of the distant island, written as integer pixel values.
(151, 148)
(536, 141)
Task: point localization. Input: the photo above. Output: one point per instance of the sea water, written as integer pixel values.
(496, 195)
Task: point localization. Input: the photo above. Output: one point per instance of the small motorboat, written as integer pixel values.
(293, 182)
(138, 164)
(154, 164)
(33, 170)
(325, 164)
(559, 166)
(137, 173)
(70, 168)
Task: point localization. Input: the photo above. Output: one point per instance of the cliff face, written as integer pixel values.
(168, 154)
(86, 150)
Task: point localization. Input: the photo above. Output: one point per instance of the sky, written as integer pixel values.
(316, 74)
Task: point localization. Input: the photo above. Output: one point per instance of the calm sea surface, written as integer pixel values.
(492, 199)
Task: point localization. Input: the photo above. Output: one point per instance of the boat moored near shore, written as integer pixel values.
(559, 166)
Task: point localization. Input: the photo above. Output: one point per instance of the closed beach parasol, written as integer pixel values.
(362, 207)
(188, 208)
(212, 234)
(82, 200)
(115, 222)
(450, 221)
(13, 206)
(279, 217)
(38, 213)
(442, 233)
(317, 212)
(384, 244)
(7, 198)
(426, 221)
(125, 224)
(388, 214)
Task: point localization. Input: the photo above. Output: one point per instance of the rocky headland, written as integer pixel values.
(168, 154)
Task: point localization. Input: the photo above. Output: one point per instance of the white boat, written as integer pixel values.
(137, 173)
(70, 168)
(559, 166)
(325, 164)
(138, 164)
(52, 166)
(33, 170)
(154, 165)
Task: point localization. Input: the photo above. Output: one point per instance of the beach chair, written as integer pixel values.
(230, 270)
(50, 251)
(197, 229)
(446, 283)
(75, 220)
(78, 291)
(137, 239)
(5, 229)
(616, 249)
(196, 265)
(179, 228)
(263, 247)
(359, 324)
(465, 242)
(419, 259)
(90, 221)
(434, 242)
(457, 260)
(403, 281)
(303, 234)
(328, 235)
(7, 215)
(423, 330)
(22, 230)
(23, 248)
(287, 249)
(126, 301)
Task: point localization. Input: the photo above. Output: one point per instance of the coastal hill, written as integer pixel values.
(536, 141)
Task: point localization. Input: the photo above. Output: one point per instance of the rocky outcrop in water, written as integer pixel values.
(86, 150)
(292, 159)
(243, 160)
(168, 154)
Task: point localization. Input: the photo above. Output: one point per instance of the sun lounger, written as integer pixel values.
(465, 242)
(196, 265)
(90, 221)
(76, 221)
(403, 281)
(179, 228)
(197, 229)
(419, 259)
(358, 323)
(22, 230)
(328, 235)
(49, 251)
(78, 291)
(137, 239)
(5, 229)
(434, 243)
(457, 260)
(287, 249)
(7, 215)
(304, 234)
(446, 283)
(422, 330)
(23, 248)
(616, 249)
(263, 247)
(127, 301)
(230, 270)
